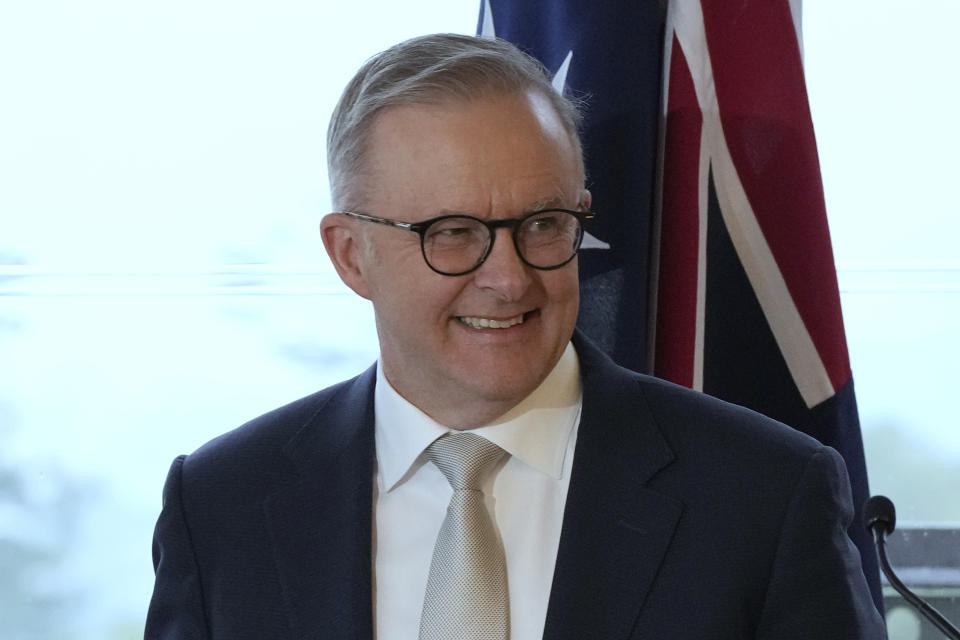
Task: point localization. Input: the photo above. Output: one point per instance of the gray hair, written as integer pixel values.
(429, 70)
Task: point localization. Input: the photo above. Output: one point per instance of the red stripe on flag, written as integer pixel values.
(679, 228)
(766, 121)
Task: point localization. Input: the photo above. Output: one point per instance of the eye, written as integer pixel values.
(452, 231)
(547, 223)
(543, 224)
(455, 232)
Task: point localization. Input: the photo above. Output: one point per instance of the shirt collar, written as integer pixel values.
(536, 431)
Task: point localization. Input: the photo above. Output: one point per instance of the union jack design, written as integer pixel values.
(738, 145)
(746, 303)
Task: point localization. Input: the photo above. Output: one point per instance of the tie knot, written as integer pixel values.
(464, 458)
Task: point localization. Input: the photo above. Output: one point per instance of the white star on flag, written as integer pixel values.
(559, 83)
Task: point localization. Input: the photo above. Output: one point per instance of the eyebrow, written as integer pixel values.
(554, 202)
(548, 203)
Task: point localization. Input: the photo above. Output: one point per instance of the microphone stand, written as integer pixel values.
(880, 524)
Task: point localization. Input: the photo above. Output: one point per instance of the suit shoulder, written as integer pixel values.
(687, 418)
(723, 453)
(258, 442)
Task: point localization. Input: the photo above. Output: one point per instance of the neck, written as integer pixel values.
(460, 413)
(460, 409)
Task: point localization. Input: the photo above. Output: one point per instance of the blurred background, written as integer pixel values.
(162, 280)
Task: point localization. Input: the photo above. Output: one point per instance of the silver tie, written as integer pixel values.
(466, 595)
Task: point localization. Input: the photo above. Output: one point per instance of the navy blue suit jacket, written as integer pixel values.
(686, 518)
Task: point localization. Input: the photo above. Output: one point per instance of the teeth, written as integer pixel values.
(487, 323)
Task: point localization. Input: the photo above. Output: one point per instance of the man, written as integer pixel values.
(612, 506)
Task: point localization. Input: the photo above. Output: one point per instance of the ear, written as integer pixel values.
(344, 244)
(585, 198)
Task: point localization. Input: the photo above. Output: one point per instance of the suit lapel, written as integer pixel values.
(615, 530)
(321, 524)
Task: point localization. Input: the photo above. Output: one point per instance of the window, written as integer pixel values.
(162, 279)
(162, 175)
(879, 81)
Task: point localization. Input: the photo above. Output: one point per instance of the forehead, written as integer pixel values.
(478, 156)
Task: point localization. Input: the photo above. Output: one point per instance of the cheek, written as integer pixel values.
(399, 279)
(421, 302)
(563, 286)
(564, 296)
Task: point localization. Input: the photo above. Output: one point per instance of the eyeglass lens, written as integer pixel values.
(545, 240)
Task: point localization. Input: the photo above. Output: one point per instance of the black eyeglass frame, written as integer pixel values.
(420, 228)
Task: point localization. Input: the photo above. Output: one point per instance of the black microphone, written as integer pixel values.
(880, 517)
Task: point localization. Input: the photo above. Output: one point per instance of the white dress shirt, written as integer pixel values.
(526, 494)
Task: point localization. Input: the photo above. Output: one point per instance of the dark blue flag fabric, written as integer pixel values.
(607, 54)
(711, 263)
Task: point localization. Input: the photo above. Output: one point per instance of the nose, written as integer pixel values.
(503, 272)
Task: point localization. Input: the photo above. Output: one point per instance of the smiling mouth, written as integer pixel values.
(490, 323)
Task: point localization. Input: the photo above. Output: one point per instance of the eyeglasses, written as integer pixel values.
(454, 245)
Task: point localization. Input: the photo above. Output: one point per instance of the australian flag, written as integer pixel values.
(709, 262)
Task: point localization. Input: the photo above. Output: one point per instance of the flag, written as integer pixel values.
(712, 265)
(747, 303)
(620, 86)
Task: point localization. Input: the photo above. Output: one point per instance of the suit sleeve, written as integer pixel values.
(817, 588)
(176, 609)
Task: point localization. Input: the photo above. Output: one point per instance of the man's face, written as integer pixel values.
(490, 158)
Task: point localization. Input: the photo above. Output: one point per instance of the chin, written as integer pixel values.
(506, 384)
